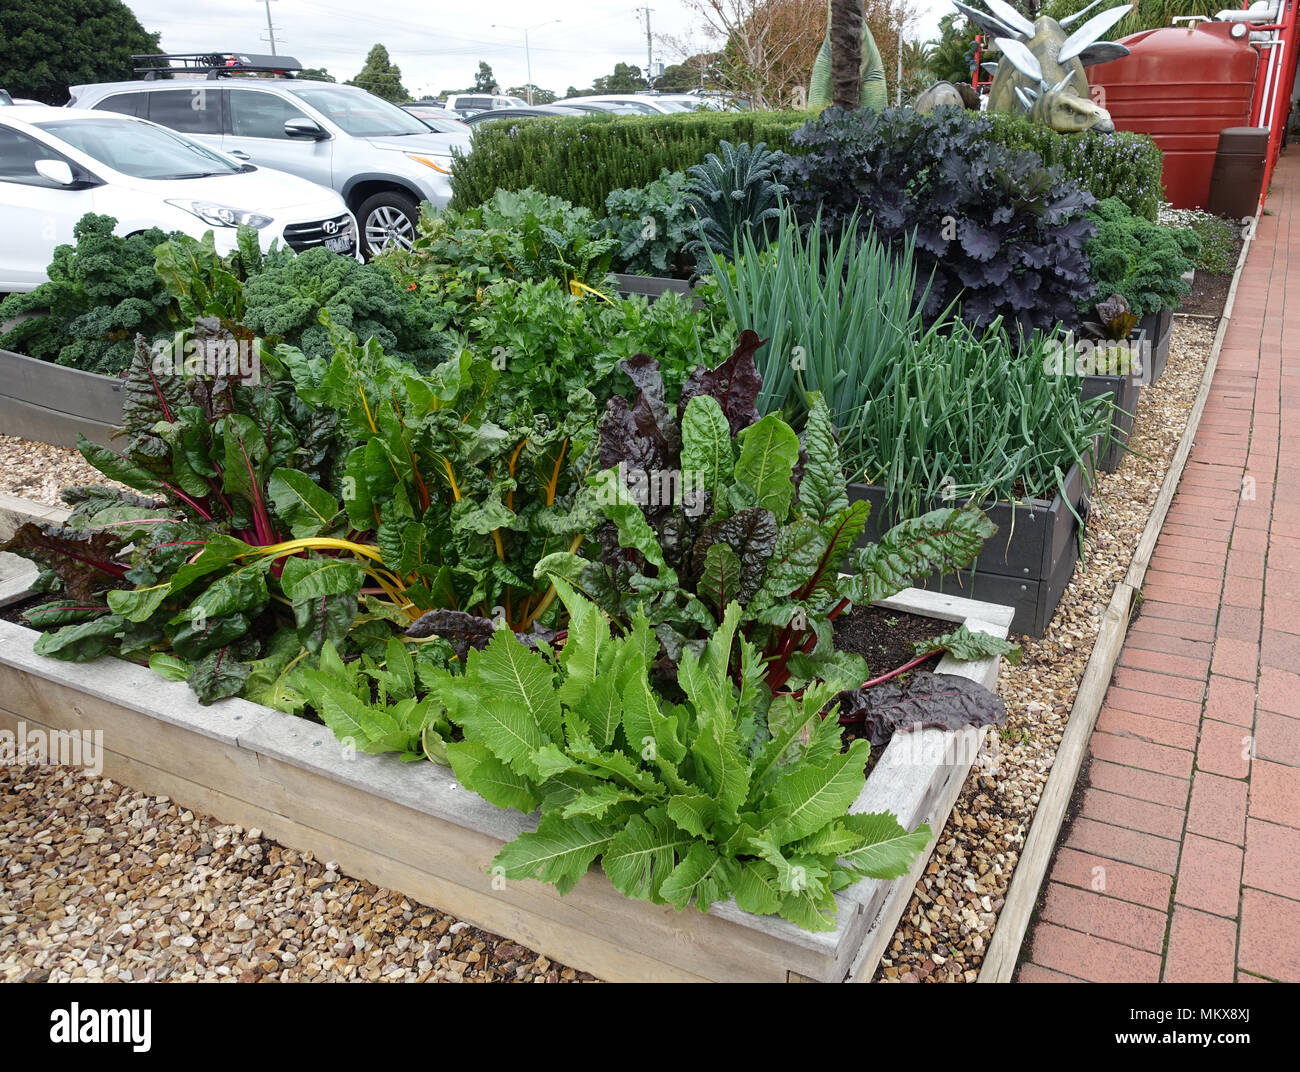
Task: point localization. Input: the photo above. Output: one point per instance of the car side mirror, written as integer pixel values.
(304, 128)
(57, 171)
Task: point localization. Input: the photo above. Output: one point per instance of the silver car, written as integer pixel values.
(382, 160)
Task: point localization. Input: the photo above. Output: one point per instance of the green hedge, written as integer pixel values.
(582, 159)
(1122, 164)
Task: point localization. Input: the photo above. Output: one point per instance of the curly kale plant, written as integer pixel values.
(1141, 261)
(735, 195)
(102, 290)
(683, 803)
(993, 228)
(284, 302)
(653, 224)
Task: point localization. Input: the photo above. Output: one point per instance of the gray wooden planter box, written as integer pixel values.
(411, 827)
(49, 403)
(650, 286)
(1026, 565)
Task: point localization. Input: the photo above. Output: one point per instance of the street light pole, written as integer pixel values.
(528, 54)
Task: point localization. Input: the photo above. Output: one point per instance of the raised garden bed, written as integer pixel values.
(51, 404)
(413, 828)
(1159, 332)
(1124, 402)
(1028, 563)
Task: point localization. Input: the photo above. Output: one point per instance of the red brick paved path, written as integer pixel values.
(1183, 863)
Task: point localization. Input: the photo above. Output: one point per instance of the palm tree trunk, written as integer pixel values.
(846, 52)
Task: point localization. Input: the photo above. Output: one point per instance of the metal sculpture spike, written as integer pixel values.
(1043, 76)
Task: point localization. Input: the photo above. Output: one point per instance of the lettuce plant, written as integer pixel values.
(683, 803)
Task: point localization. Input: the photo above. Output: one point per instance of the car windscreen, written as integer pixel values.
(360, 114)
(139, 149)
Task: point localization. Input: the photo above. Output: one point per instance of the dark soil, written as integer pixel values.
(1209, 295)
(14, 612)
(884, 637)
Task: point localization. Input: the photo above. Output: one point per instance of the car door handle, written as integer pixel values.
(239, 154)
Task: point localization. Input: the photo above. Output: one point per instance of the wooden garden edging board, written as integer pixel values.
(1040, 844)
(49, 403)
(411, 827)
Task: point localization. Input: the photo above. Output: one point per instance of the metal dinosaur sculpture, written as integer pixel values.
(1042, 75)
(875, 91)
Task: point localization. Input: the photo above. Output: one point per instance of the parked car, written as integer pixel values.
(482, 102)
(536, 111)
(382, 160)
(644, 103)
(436, 119)
(57, 164)
(5, 99)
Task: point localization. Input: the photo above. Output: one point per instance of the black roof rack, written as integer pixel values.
(215, 64)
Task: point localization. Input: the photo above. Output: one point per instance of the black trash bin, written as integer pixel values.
(1235, 183)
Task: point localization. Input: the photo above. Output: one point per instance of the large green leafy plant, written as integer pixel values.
(513, 236)
(706, 503)
(683, 803)
(653, 224)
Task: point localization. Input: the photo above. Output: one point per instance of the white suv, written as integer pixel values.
(57, 164)
(382, 160)
(482, 102)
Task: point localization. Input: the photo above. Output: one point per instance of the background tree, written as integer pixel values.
(951, 58)
(485, 81)
(625, 79)
(316, 74)
(381, 76)
(1146, 15)
(540, 96)
(48, 45)
(767, 47)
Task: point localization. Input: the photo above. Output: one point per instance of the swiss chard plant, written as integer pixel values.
(327, 503)
(705, 504)
(683, 803)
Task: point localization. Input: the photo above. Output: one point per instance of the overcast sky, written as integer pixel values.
(438, 43)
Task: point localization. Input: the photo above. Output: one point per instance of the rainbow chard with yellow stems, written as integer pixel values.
(329, 504)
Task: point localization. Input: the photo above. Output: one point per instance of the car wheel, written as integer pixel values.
(387, 221)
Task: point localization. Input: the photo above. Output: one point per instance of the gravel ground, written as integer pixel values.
(100, 882)
(37, 471)
(946, 927)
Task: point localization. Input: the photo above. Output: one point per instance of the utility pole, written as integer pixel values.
(649, 47)
(270, 28)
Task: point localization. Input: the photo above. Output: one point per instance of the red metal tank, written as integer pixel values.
(1182, 85)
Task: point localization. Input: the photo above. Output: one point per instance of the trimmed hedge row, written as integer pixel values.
(1123, 164)
(583, 159)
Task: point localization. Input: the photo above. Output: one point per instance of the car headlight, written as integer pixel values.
(440, 164)
(222, 215)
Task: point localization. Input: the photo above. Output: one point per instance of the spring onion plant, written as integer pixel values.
(838, 314)
(967, 413)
